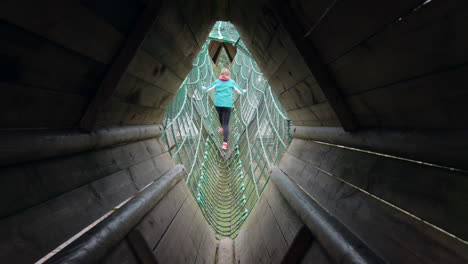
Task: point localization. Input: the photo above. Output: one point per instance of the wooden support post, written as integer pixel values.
(213, 48)
(217, 53)
(315, 63)
(120, 64)
(97, 242)
(231, 51)
(143, 252)
(299, 246)
(340, 243)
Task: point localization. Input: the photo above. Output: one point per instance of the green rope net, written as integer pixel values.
(226, 184)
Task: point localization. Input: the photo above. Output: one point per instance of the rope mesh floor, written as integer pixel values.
(226, 184)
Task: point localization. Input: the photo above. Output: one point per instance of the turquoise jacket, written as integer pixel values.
(224, 91)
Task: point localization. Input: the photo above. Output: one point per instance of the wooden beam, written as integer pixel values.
(216, 54)
(141, 248)
(299, 246)
(337, 240)
(231, 50)
(120, 64)
(316, 65)
(213, 48)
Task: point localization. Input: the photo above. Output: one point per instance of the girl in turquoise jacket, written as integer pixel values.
(224, 87)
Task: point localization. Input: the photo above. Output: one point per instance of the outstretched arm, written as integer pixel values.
(238, 89)
(209, 88)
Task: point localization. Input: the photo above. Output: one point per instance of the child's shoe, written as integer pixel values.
(225, 146)
(221, 130)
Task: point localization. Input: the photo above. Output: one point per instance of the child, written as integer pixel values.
(223, 101)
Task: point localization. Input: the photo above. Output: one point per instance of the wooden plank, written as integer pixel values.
(30, 60)
(255, 240)
(225, 252)
(410, 240)
(316, 66)
(38, 230)
(298, 250)
(143, 173)
(231, 50)
(215, 57)
(121, 254)
(155, 146)
(163, 163)
(288, 222)
(121, 16)
(242, 249)
(411, 186)
(120, 64)
(130, 155)
(428, 41)
(316, 115)
(207, 250)
(200, 22)
(135, 91)
(175, 51)
(23, 107)
(266, 27)
(292, 71)
(351, 22)
(221, 9)
(27, 185)
(161, 46)
(429, 102)
(196, 234)
(67, 23)
(338, 240)
(213, 48)
(153, 226)
(270, 231)
(116, 113)
(173, 23)
(243, 21)
(444, 147)
(317, 255)
(270, 44)
(276, 53)
(394, 236)
(147, 68)
(249, 244)
(311, 13)
(141, 248)
(177, 237)
(304, 94)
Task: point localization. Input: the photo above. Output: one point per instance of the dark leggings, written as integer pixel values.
(224, 115)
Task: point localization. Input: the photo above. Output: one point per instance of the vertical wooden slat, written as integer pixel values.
(120, 64)
(316, 65)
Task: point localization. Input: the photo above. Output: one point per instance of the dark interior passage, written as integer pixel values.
(375, 90)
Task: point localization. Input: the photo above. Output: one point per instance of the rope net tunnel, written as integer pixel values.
(226, 184)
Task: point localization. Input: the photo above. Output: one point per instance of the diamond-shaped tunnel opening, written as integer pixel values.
(226, 183)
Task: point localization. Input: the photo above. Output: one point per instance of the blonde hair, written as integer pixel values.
(225, 70)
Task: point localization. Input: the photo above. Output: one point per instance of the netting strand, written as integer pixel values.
(226, 184)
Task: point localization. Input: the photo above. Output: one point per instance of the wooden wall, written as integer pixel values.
(55, 54)
(406, 212)
(273, 233)
(397, 64)
(44, 203)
